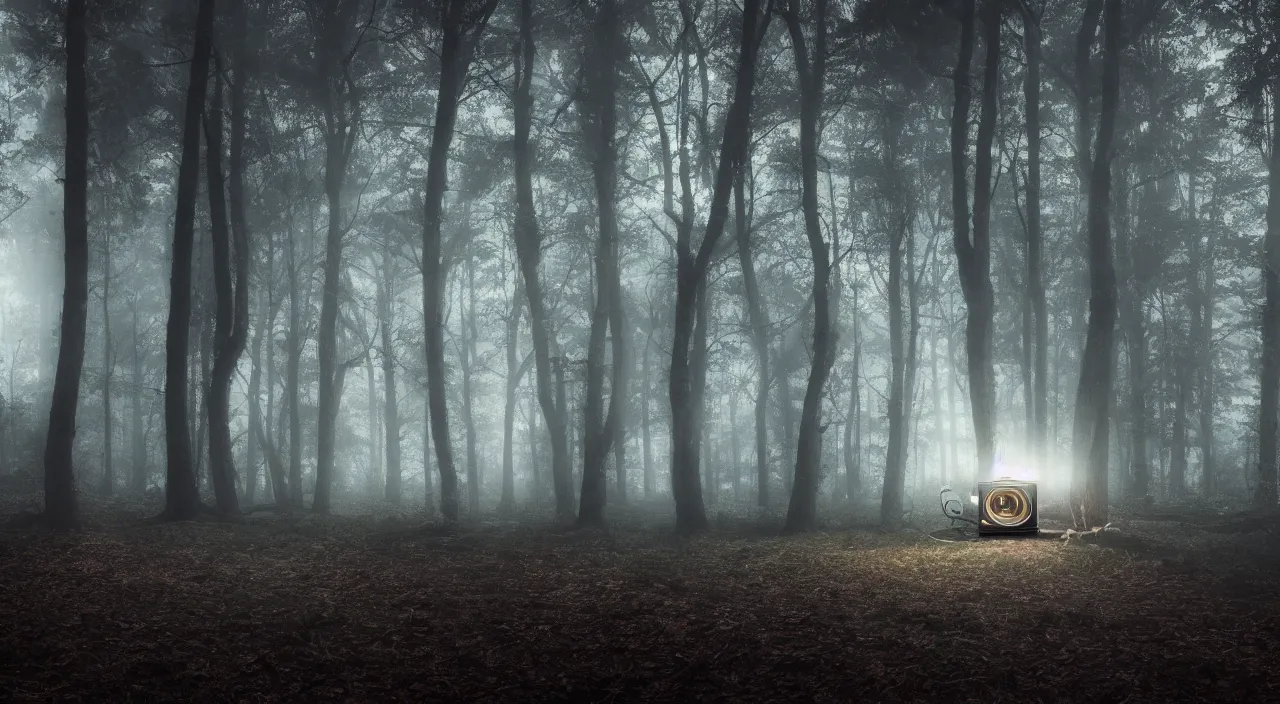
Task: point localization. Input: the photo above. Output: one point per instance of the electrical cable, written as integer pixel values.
(968, 538)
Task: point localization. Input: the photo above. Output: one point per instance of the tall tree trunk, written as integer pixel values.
(1133, 318)
(1039, 420)
(600, 126)
(758, 313)
(620, 387)
(427, 484)
(391, 407)
(1204, 365)
(182, 501)
(236, 199)
(260, 428)
(953, 382)
(467, 352)
(434, 277)
(4, 424)
(293, 362)
(939, 428)
(528, 242)
(327, 339)
(900, 387)
(228, 343)
(691, 274)
(782, 370)
(138, 474)
(1090, 444)
(536, 488)
(373, 481)
(973, 249)
(341, 120)
(698, 368)
(562, 402)
(1177, 487)
(508, 501)
(279, 499)
(1265, 496)
(255, 401)
(108, 472)
(853, 427)
(734, 458)
(895, 459)
(455, 59)
(60, 505)
(575, 438)
(202, 419)
(910, 414)
(1162, 393)
(650, 480)
(1025, 362)
(711, 478)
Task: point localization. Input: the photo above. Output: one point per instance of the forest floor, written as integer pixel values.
(370, 606)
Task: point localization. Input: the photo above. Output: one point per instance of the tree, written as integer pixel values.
(391, 407)
(182, 501)
(515, 372)
(60, 505)
(461, 27)
(973, 247)
(337, 97)
(1253, 69)
(600, 127)
(231, 319)
(758, 312)
(894, 190)
(691, 274)
(802, 512)
(292, 370)
(1267, 424)
(528, 243)
(1090, 447)
(108, 471)
(138, 445)
(467, 358)
(1039, 419)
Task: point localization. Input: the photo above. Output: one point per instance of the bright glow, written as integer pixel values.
(1013, 468)
(1013, 471)
(974, 499)
(1051, 471)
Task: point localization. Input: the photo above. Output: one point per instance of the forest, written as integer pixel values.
(586, 350)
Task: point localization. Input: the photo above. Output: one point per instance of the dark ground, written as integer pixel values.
(370, 608)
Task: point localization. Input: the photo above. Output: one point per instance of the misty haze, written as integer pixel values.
(639, 350)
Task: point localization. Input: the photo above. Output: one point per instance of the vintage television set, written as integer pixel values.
(1007, 507)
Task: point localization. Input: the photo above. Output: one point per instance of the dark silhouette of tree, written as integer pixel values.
(973, 245)
(599, 119)
(336, 44)
(1092, 419)
(528, 243)
(182, 501)
(60, 505)
(802, 512)
(691, 272)
(462, 25)
(1038, 303)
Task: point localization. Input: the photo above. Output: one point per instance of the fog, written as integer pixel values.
(663, 264)
(639, 350)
